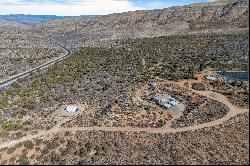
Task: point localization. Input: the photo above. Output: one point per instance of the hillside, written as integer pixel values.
(224, 144)
(105, 83)
(220, 15)
(108, 81)
(22, 48)
(100, 105)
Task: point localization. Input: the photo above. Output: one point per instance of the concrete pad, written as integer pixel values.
(61, 112)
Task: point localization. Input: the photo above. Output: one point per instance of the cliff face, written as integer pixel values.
(219, 15)
(232, 13)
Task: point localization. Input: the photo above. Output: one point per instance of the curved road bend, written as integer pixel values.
(45, 65)
(165, 129)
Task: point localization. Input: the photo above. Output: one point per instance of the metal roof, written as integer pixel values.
(211, 78)
(167, 105)
(161, 96)
(167, 100)
(174, 102)
(71, 108)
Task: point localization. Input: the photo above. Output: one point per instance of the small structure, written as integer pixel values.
(71, 108)
(211, 78)
(165, 101)
(152, 83)
(161, 98)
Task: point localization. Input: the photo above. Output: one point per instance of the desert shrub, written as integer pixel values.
(12, 159)
(19, 134)
(10, 125)
(11, 150)
(4, 162)
(38, 142)
(23, 160)
(3, 133)
(70, 148)
(24, 151)
(54, 158)
(28, 144)
(52, 145)
(37, 148)
(71, 144)
(46, 142)
(68, 133)
(28, 103)
(4, 102)
(19, 145)
(45, 151)
(82, 152)
(3, 149)
(65, 152)
(88, 145)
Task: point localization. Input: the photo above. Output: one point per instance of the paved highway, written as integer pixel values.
(10, 80)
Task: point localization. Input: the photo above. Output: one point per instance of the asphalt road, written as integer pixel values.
(10, 80)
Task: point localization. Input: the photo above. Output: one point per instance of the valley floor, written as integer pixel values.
(234, 111)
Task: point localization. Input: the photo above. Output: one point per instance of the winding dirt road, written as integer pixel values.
(165, 129)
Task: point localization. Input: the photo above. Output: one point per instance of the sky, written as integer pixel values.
(84, 7)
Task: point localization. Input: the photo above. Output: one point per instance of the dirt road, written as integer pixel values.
(165, 129)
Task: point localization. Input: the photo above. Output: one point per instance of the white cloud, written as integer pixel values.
(69, 8)
(155, 4)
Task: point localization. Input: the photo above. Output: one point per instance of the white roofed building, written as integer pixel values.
(211, 78)
(71, 108)
(165, 101)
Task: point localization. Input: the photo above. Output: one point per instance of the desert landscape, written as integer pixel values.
(166, 86)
